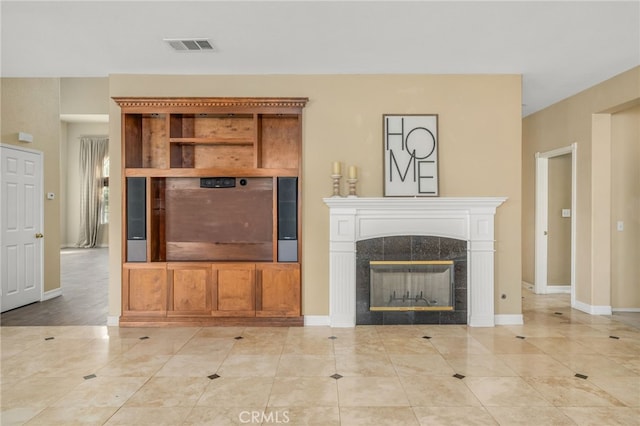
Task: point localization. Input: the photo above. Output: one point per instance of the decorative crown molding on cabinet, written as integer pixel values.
(212, 102)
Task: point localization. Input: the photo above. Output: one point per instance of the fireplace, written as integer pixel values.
(357, 221)
(440, 283)
(414, 285)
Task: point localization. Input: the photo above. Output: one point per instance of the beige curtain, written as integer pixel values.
(93, 151)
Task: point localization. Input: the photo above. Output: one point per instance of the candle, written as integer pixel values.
(336, 167)
(353, 173)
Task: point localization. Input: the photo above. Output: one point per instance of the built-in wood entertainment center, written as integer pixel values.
(212, 211)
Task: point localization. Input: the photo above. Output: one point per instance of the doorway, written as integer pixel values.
(549, 275)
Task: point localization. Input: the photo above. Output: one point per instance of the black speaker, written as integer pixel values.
(136, 219)
(218, 182)
(136, 208)
(287, 208)
(287, 219)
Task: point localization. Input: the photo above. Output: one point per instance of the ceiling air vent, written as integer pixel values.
(189, 44)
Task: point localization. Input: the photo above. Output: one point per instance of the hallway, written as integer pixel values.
(85, 289)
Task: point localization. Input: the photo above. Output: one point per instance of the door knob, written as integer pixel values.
(39, 235)
(546, 233)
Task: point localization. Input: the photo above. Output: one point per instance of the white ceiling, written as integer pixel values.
(560, 47)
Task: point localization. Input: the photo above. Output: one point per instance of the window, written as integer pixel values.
(104, 198)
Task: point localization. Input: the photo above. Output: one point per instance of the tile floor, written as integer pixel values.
(562, 367)
(83, 302)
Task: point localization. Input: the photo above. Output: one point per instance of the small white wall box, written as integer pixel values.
(25, 137)
(566, 212)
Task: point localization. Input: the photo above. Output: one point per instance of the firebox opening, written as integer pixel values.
(423, 285)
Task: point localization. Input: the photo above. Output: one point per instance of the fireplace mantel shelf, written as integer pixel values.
(415, 203)
(354, 219)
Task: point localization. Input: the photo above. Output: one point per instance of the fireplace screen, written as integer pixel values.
(412, 285)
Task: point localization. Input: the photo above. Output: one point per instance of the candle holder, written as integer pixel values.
(336, 185)
(352, 187)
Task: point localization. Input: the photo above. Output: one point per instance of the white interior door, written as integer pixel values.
(21, 220)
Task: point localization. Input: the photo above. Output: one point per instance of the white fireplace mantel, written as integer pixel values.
(465, 218)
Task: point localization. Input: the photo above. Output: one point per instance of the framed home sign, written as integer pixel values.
(410, 155)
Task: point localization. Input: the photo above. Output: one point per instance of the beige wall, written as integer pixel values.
(559, 238)
(32, 105)
(84, 95)
(625, 207)
(584, 119)
(480, 152)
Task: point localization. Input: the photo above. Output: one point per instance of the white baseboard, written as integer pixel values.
(51, 294)
(113, 320)
(593, 309)
(625, 309)
(316, 320)
(74, 246)
(558, 289)
(509, 319)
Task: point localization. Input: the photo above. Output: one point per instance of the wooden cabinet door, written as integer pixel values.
(234, 290)
(278, 290)
(190, 288)
(144, 289)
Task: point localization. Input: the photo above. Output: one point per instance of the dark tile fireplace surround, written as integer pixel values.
(410, 248)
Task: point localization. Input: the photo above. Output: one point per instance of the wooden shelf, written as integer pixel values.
(192, 172)
(211, 141)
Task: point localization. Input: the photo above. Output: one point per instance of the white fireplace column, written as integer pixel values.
(464, 218)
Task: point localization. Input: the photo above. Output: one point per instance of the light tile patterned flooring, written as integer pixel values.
(390, 375)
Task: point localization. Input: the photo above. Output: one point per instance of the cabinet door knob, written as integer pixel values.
(39, 235)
